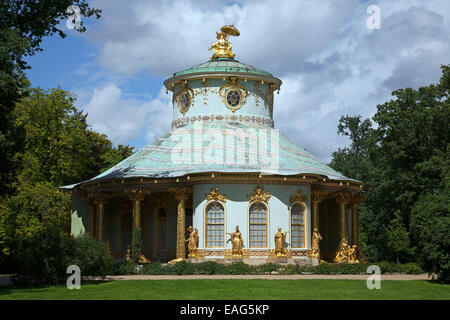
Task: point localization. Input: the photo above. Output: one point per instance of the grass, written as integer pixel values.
(233, 289)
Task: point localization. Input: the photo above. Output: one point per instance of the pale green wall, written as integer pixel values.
(80, 216)
(237, 209)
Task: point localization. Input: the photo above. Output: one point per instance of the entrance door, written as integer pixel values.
(162, 234)
(125, 231)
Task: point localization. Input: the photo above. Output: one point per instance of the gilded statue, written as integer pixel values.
(280, 239)
(315, 248)
(237, 242)
(353, 254)
(222, 47)
(192, 242)
(343, 251)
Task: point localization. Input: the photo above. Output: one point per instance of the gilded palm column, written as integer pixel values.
(343, 199)
(137, 196)
(100, 199)
(181, 195)
(317, 197)
(355, 202)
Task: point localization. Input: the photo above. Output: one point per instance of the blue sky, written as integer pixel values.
(328, 60)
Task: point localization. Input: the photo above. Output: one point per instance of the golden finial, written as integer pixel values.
(222, 47)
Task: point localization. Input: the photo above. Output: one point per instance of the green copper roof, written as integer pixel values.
(157, 160)
(222, 65)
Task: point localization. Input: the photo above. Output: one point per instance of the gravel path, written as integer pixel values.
(267, 277)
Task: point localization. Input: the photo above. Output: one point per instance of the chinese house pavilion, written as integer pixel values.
(223, 183)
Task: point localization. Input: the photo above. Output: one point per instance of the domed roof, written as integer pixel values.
(220, 65)
(156, 160)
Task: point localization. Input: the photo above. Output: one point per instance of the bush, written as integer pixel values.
(410, 268)
(210, 267)
(240, 268)
(42, 259)
(388, 267)
(267, 267)
(123, 268)
(181, 268)
(91, 256)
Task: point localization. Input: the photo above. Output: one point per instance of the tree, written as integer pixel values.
(23, 24)
(397, 236)
(402, 153)
(59, 149)
(431, 226)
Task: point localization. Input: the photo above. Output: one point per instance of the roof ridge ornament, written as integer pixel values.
(222, 47)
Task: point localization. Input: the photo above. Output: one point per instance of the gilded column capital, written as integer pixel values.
(342, 197)
(181, 193)
(356, 200)
(317, 195)
(99, 197)
(215, 195)
(137, 194)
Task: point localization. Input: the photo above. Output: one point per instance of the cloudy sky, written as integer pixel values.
(330, 62)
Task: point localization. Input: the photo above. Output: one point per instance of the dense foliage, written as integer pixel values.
(404, 156)
(211, 267)
(23, 24)
(43, 258)
(59, 149)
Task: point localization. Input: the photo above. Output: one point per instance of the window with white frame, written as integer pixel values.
(258, 225)
(215, 224)
(298, 211)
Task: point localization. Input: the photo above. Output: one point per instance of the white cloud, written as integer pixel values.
(330, 63)
(124, 119)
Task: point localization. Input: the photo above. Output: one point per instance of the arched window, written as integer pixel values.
(215, 225)
(258, 225)
(298, 211)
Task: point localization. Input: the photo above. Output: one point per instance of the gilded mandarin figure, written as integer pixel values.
(192, 242)
(315, 248)
(237, 242)
(280, 239)
(222, 47)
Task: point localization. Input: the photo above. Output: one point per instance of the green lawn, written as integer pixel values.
(234, 289)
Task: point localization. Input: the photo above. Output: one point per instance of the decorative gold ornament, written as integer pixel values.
(215, 195)
(222, 47)
(233, 94)
(280, 240)
(192, 242)
(268, 97)
(185, 96)
(259, 195)
(315, 248)
(299, 197)
(176, 260)
(236, 242)
(346, 253)
(143, 259)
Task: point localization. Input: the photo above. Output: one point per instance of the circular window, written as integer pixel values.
(233, 98)
(184, 101)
